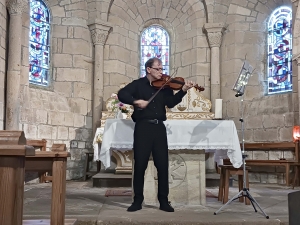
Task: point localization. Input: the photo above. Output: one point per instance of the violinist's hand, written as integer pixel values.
(141, 103)
(188, 85)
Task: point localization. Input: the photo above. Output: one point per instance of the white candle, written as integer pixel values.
(218, 108)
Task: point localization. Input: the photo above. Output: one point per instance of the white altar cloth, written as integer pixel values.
(218, 136)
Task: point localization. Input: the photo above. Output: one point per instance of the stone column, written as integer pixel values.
(214, 33)
(99, 32)
(295, 2)
(15, 9)
(296, 88)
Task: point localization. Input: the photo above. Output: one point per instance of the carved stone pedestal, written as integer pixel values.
(186, 179)
(124, 161)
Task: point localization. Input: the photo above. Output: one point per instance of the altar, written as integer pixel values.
(218, 136)
(195, 139)
(188, 140)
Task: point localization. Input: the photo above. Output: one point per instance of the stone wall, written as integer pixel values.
(4, 17)
(267, 118)
(183, 20)
(62, 113)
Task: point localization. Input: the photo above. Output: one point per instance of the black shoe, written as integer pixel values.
(134, 207)
(166, 206)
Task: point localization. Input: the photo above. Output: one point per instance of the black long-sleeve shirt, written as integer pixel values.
(141, 89)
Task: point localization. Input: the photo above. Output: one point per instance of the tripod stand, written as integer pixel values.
(245, 191)
(239, 87)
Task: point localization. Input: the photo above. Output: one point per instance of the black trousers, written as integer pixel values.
(150, 138)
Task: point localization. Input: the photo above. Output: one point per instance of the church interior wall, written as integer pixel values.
(267, 118)
(189, 52)
(62, 112)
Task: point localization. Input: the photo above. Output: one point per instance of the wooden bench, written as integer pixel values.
(15, 159)
(41, 145)
(225, 172)
(274, 146)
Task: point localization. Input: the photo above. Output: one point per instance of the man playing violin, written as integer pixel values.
(150, 134)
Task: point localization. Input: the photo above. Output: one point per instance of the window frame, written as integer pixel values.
(142, 63)
(270, 53)
(49, 86)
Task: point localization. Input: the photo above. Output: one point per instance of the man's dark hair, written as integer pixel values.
(150, 62)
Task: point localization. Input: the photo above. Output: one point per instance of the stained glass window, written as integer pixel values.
(39, 48)
(155, 43)
(280, 51)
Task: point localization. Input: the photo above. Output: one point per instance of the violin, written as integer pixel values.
(173, 83)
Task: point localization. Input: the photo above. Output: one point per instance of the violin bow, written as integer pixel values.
(153, 96)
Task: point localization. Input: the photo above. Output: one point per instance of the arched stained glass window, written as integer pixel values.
(155, 43)
(39, 48)
(280, 51)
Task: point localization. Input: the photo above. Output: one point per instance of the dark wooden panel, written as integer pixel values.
(38, 164)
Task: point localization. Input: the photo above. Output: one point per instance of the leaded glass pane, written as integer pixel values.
(39, 48)
(155, 43)
(280, 51)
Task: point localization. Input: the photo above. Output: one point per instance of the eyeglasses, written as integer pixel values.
(158, 69)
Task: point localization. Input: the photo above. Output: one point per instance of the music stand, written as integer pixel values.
(239, 88)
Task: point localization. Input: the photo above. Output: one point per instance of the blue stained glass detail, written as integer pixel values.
(39, 47)
(155, 43)
(280, 51)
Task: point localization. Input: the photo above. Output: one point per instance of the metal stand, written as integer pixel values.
(245, 191)
(240, 88)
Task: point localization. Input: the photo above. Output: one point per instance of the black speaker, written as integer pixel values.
(294, 208)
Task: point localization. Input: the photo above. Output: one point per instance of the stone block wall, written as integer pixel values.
(267, 118)
(62, 113)
(189, 52)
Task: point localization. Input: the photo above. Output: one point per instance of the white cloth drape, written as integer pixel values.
(218, 136)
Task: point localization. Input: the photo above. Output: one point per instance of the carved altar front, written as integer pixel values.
(193, 106)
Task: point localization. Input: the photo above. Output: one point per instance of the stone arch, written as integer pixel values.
(106, 8)
(166, 26)
(246, 33)
(189, 48)
(296, 31)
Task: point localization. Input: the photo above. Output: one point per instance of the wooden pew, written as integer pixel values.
(12, 165)
(54, 162)
(15, 159)
(41, 145)
(273, 146)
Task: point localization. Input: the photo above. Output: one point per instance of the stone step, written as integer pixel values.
(111, 180)
(124, 180)
(47, 222)
(213, 180)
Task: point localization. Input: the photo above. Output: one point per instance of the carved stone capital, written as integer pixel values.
(99, 31)
(16, 6)
(295, 2)
(214, 33)
(297, 58)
